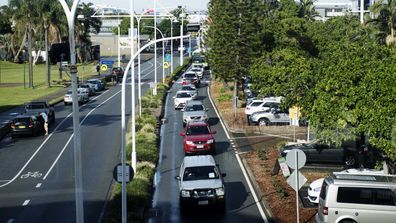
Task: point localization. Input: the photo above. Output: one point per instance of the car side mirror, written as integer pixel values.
(177, 178)
(214, 132)
(223, 175)
(183, 134)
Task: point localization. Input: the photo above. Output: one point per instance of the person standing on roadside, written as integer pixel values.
(45, 118)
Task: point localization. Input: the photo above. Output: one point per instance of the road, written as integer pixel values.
(241, 202)
(37, 173)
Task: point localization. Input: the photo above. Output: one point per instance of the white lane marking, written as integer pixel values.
(70, 138)
(42, 145)
(26, 202)
(240, 164)
(38, 185)
(11, 220)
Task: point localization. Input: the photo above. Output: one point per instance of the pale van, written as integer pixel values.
(353, 198)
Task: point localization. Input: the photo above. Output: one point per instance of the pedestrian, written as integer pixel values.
(98, 68)
(45, 119)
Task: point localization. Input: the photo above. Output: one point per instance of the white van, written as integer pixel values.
(352, 198)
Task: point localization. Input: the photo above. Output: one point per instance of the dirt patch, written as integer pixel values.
(10, 84)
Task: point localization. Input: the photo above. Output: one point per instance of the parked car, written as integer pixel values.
(99, 86)
(194, 110)
(200, 183)
(357, 198)
(85, 93)
(262, 105)
(35, 107)
(191, 88)
(26, 125)
(198, 138)
(269, 117)
(181, 97)
(315, 187)
(91, 90)
(323, 153)
(81, 96)
(191, 78)
(118, 73)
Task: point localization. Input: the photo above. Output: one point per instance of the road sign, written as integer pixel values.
(107, 62)
(296, 159)
(292, 180)
(167, 57)
(166, 65)
(283, 166)
(117, 173)
(103, 67)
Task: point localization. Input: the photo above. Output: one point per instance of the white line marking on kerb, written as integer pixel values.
(260, 208)
(26, 203)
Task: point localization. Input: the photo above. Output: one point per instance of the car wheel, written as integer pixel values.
(65, 103)
(263, 122)
(350, 160)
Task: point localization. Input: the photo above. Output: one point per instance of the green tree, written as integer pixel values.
(307, 10)
(385, 19)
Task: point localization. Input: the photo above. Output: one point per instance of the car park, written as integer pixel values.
(315, 187)
(190, 88)
(181, 98)
(26, 125)
(200, 184)
(190, 78)
(355, 198)
(194, 110)
(269, 117)
(198, 138)
(264, 104)
(319, 153)
(36, 107)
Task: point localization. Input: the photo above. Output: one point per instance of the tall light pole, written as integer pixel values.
(71, 15)
(155, 48)
(118, 41)
(181, 36)
(163, 51)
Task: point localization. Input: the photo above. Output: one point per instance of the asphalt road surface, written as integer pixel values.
(241, 202)
(37, 173)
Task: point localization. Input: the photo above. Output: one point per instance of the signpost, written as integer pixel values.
(296, 159)
(117, 173)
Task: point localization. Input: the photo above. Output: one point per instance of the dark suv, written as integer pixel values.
(198, 138)
(118, 73)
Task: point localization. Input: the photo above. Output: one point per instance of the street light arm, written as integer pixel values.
(156, 29)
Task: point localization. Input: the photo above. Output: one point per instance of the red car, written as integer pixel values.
(198, 138)
(191, 78)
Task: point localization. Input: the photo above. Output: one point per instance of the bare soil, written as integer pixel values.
(278, 195)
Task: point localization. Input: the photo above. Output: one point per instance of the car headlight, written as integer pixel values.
(185, 193)
(210, 141)
(220, 191)
(317, 189)
(189, 142)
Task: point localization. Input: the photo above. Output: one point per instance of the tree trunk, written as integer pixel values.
(16, 54)
(30, 56)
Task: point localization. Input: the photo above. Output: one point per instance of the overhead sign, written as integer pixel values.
(117, 173)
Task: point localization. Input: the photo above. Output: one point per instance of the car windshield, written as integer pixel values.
(196, 69)
(194, 108)
(183, 95)
(69, 92)
(200, 173)
(188, 88)
(35, 106)
(197, 130)
(189, 75)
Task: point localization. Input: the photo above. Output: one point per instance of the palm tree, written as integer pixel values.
(307, 10)
(386, 19)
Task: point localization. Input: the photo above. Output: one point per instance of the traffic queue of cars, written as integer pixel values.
(200, 181)
(84, 91)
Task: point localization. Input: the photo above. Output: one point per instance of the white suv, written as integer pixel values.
(261, 105)
(200, 183)
(270, 116)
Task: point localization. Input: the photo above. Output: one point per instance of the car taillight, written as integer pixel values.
(325, 211)
(13, 125)
(31, 125)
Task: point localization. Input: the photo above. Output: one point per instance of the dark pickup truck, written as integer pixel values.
(36, 107)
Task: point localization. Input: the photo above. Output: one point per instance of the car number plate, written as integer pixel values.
(200, 146)
(203, 202)
(21, 127)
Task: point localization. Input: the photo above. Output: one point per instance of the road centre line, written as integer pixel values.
(26, 202)
(257, 201)
(70, 138)
(42, 145)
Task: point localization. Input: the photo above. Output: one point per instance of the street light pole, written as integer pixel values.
(155, 48)
(171, 64)
(139, 71)
(70, 15)
(181, 38)
(163, 50)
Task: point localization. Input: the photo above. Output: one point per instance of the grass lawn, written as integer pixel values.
(13, 92)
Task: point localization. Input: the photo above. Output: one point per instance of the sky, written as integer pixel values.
(139, 5)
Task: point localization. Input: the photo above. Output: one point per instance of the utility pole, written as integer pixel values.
(71, 15)
(235, 79)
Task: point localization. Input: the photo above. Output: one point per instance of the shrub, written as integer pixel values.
(224, 98)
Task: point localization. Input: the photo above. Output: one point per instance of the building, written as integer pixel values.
(332, 8)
